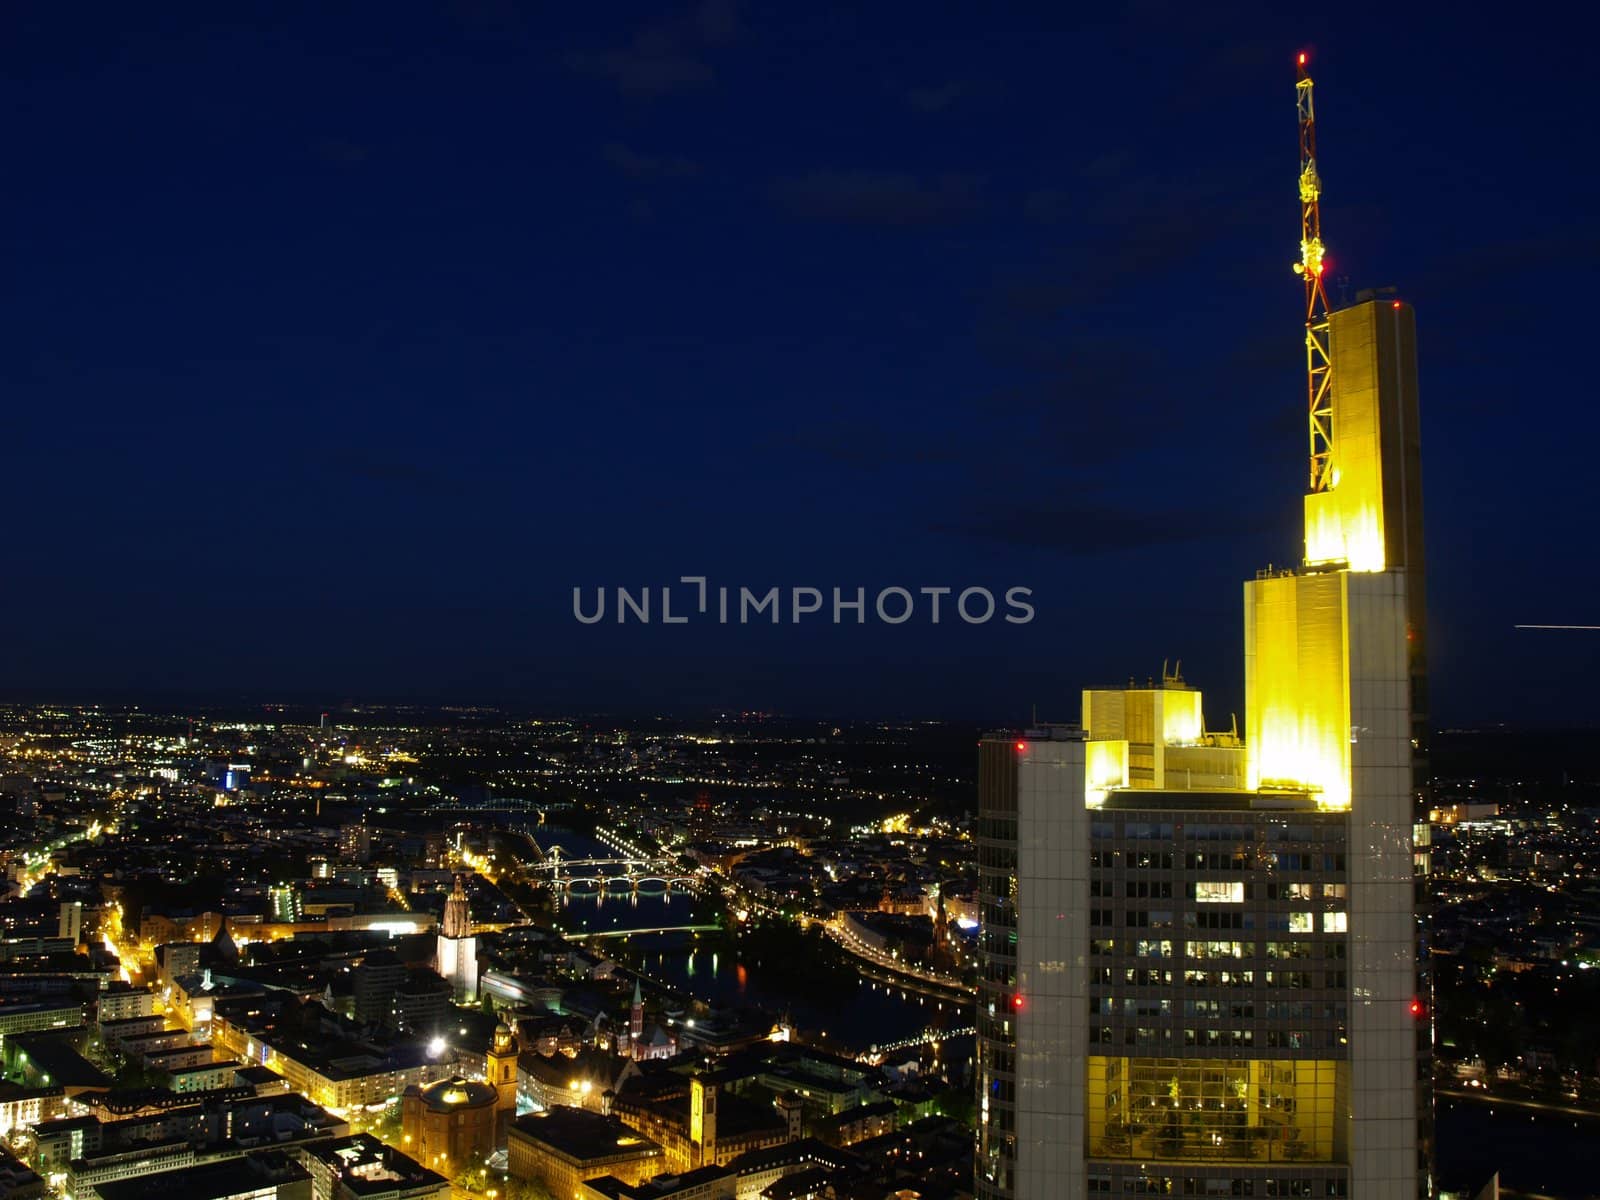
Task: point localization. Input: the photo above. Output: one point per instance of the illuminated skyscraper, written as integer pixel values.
(1200, 967)
(456, 953)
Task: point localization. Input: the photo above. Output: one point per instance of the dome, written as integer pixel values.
(457, 1093)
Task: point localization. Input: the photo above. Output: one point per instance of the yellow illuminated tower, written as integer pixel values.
(500, 1072)
(702, 1122)
(1200, 952)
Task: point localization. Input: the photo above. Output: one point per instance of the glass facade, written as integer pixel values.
(1211, 1110)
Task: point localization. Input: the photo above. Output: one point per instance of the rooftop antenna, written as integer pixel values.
(1319, 363)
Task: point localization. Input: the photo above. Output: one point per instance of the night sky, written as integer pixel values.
(342, 342)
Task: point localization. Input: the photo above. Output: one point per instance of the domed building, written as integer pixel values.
(448, 1124)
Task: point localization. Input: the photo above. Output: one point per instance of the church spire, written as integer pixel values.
(457, 921)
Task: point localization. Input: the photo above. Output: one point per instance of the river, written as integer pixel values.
(1544, 1153)
(863, 1015)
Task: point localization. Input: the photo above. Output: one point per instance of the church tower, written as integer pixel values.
(456, 957)
(500, 1072)
(636, 1024)
(702, 1122)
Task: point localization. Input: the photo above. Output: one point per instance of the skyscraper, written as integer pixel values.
(456, 952)
(1200, 968)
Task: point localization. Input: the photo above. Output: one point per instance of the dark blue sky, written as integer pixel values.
(344, 341)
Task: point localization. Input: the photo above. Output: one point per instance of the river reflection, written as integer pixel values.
(859, 1015)
(1549, 1154)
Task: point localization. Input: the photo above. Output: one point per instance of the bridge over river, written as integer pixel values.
(612, 875)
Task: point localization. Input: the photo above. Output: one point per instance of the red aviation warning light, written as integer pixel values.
(1302, 58)
(1021, 746)
(1416, 1008)
(1016, 1003)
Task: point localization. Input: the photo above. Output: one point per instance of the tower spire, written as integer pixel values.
(1319, 364)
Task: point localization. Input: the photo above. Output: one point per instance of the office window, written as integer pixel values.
(1215, 891)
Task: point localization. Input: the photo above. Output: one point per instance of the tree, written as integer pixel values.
(525, 1189)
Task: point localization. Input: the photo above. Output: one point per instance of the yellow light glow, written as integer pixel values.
(1296, 686)
(1181, 720)
(1198, 1110)
(1105, 766)
(1352, 522)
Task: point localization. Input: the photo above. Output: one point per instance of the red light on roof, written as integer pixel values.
(1016, 1002)
(1021, 746)
(1416, 1008)
(1397, 304)
(1302, 58)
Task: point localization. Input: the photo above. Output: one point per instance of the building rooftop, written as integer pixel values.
(583, 1135)
(367, 1167)
(57, 1062)
(64, 1125)
(257, 1076)
(806, 1150)
(454, 1093)
(662, 1187)
(209, 1181)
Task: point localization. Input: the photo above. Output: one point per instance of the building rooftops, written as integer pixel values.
(367, 1167)
(209, 1181)
(582, 1135)
(662, 1187)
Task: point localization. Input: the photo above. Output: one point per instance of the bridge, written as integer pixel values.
(926, 1038)
(609, 875)
(622, 933)
(557, 864)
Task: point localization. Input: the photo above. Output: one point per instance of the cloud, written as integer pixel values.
(879, 199)
(638, 165)
(665, 57)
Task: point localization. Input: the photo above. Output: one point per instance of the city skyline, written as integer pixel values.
(389, 335)
(574, 572)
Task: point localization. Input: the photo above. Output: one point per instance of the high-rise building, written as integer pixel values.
(355, 843)
(69, 922)
(374, 985)
(456, 952)
(1200, 952)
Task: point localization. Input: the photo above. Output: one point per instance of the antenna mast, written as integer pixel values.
(1319, 365)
